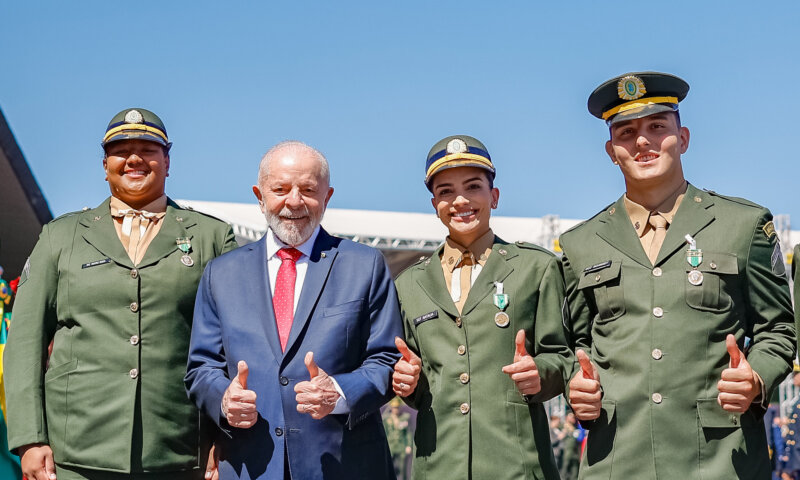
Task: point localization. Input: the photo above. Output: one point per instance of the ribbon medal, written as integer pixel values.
(694, 256)
(501, 318)
(185, 245)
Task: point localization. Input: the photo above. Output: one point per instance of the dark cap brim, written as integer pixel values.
(642, 112)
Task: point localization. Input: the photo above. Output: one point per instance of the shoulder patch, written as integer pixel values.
(769, 229)
(778, 267)
(26, 272)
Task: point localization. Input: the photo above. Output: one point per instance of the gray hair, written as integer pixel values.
(295, 146)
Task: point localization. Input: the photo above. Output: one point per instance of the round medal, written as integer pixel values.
(695, 277)
(187, 260)
(501, 319)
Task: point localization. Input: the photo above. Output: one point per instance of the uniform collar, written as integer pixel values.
(159, 205)
(639, 215)
(452, 252)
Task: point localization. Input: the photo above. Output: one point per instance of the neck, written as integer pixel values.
(465, 240)
(652, 196)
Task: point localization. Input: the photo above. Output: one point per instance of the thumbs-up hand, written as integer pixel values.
(406, 370)
(239, 403)
(585, 395)
(739, 384)
(316, 397)
(523, 371)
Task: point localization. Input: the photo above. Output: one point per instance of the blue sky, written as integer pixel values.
(375, 84)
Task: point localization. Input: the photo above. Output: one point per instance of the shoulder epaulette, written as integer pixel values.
(739, 200)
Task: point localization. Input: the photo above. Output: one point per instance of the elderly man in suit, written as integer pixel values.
(293, 340)
(664, 286)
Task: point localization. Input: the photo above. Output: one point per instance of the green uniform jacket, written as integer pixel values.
(473, 423)
(112, 397)
(659, 341)
(796, 279)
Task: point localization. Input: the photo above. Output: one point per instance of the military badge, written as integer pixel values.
(693, 254)
(630, 88)
(769, 229)
(456, 145)
(695, 277)
(778, 267)
(185, 245)
(500, 298)
(501, 319)
(134, 116)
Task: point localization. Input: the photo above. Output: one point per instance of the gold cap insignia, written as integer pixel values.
(133, 116)
(456, 145)
(630, 88)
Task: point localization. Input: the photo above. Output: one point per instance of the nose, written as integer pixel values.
(642, 141)
(294, 199)
(460, 200)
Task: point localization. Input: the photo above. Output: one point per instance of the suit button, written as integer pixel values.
(133, 373)
(464, 377)
(657, 354)
(657, 272)
(279, 431)
(134, 273)
(658, 312)
(462, 349)
(657, 398)
(134, 307)
(458, 322)
(284, 381)
(464, 408)
(135, 340)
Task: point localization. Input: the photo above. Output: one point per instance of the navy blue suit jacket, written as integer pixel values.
(347, 315)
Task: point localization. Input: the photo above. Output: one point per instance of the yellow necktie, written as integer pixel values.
(659, 225)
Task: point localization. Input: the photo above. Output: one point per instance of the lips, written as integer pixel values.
(136, 173)
(464, 215)
(646, 157)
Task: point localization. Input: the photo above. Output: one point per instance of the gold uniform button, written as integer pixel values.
(134, 307)
(657, 398)
(135, 340)
(133, 373)
(658, 312)
(458, 322)
(612, 210)
(657, 354)
(597, 277)
(134, 273)
(464, 377)
(713, 265)
(462, 349)
(698, 199)
(464, 408)
(657, 272)
(502, 251)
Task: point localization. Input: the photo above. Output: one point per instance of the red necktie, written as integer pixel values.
(283, 298)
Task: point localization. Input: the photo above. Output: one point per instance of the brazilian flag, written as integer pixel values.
(9, 464)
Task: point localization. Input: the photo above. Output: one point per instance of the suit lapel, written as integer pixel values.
(319, 266)
(255, 270)
(693, 215)
(100, 233)
(430, 277)
(497, 269)
(616, 229)
(174, 226)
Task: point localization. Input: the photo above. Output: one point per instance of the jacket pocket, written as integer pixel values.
(606, 287)
(710, 295)
(56, 381)
(353, 307)
(599, 453)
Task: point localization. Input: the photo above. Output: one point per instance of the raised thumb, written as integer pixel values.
(588, 370)
(241, 375)
(402, 348)
(519, 343)
(733, 350)
(311, 365)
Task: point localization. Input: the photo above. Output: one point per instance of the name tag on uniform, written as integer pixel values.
(597, 266)
(426, 317)
(96, 263)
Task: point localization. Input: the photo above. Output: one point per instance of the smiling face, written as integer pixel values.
(648, 151)
(136, 171)
(464, 199)
(293, 194)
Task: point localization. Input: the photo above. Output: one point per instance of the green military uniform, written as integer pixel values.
(659, 340)
(472, 420)
(796, 291)
(110, 399)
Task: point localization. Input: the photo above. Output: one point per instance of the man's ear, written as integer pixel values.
(257, 193)
(610, 151)
(683, 135)
(328, 196)
(105, 167)
(166, 164)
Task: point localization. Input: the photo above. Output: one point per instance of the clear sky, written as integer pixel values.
(375, 84)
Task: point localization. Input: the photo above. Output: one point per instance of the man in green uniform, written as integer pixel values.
(664, 286)
(113, 288)
(484, 327)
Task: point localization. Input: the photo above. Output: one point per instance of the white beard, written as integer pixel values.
(289, 232)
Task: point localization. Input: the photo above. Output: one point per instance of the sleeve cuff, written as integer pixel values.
(341, 403)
